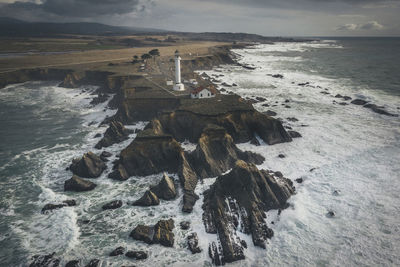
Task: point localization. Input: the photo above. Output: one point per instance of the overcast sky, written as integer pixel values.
(267, 17)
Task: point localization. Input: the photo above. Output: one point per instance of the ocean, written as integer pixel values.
(354, 154)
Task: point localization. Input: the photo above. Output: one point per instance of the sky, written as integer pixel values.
(266, 17)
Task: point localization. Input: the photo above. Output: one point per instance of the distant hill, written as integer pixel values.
(17, 28)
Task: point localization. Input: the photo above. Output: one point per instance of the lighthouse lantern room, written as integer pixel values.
(178, 84)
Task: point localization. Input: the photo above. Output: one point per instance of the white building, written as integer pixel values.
(202, 92)
(178, 84)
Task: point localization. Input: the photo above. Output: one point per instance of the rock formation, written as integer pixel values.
(193, 243)
(115, 133)
(112, 205)
(165, 188)
(148, 199)
(89, 166)
(44, 261)
(160, 233)
(237, 202)
(137, 255)
(50, 207)
(78, 184)
(119, 173)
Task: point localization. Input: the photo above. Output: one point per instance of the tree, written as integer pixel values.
(145, 56)
(154, 52)
(135, 57)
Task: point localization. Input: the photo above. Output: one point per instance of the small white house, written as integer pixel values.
(201, 92)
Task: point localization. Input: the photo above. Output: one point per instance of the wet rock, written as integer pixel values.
(299, 180)
(246, 193)
(89, 166)
(346, 97)
(281, 156)
(78, 184)
(112, 205)
(119, 173)
(287, 106)
(303, 84)
(325, 93)
(44, 261)
(193, 243)
(260, 99)
(222, 90)
(161, 233)
(118, 251)
(105, 155)
(165, 188)
(338, 96)
(100, 98)
(294, 134)
(189, 199)
(234, 84)
(93, 263)
(292, 119)
(336, 193)
(270, 113)
(359, 102)
(116, 133)
(278, 174)
(287, 101)
(226, 85)
(73, 263)
(50, 207)
(255, 141)
(98, 135)
(379, 110)
(330, 214)
(265, 105)
(185, 225)
(280, 76)
(343, 103)
(138, 255)
(148, 199)
(312, 169)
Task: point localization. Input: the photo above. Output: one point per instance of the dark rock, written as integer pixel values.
(299, 180)
(303, 84)
(73, 263)
(185, 225)
(338, 96)
(93, 263)
(265, 105)
(281, 156)
(98, 135)
(287, 106)
(226, 85)
(78, 184)
(138, 255)
(287, 101)
(246, 193)
(105, 154)
(260, 99)
(44, 261)
(161, 233)
(189, 199)
(100, 98)
(118, 251)
(116, 133)
(312, 169)
(288, 127)
(325, 93)
(359, 102)
(243, 243)
(165, 188)
(294, 134)
(292, 119)
(66, 203)
(330, 214)
(112, 205)
(278, 174)
(336, 193)
(379, 110)
(148, 199)
(270, 113)
(255, 141)
(280, 76)
(343, 103)
(346, 97)
(119, 174)
(193, 243)
(89, 166)
(222, 90)
(70, 202)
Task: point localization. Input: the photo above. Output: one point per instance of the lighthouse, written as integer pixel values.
(178, 85)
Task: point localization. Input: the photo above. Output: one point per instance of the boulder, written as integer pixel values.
(193, 243)
(119, 173)
(165, 188)
(148, 199)
(105, 155)
(161, 233)
(280, 76)
(44, 261)
(137, 255)
(270, 113)
(379, 110)
(330, 214)
(281, 156)
(112, 205)
(294, 134)
(115, 133)
(359, 102)
(50, 207)
(255, 141)
(78, 184)
(118, 251)
(185, 225)
(89, 166)
(93, 263)
(73, 263)
(299, 180)
(242, 195)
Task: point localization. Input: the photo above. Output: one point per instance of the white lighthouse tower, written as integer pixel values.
(178, 85)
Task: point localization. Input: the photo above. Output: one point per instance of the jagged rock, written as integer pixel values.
(359, 102)
(255, 141)
(280, 76)
(118, 251)
(89, 166)
(281, 156)
(379, 110)
(105, 155)
(78, 184)
(93, 263)
(270, 113)
(165, 188)
(193, 243)
(148, 199)
(215, 254)
(116, 133)
(338, 96)
(138, 255)
(189, 199)
(185, 225)
(44, 261)
(66, 203)
(160, 233)
(73, 263)
(294, 134)
(260, 99)
(292, 119)
(336, 193)
(98, 135)
(265, 105)
(346, 97)
(188, 179)
(112, 205)
(119, 174)
(330, 214)
(299, 180)
(216, 153)
(246, 193)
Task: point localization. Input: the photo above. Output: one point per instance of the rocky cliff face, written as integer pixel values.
(116, 133)
(237, 202)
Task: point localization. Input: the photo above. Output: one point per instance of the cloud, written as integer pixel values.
(370, 25)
